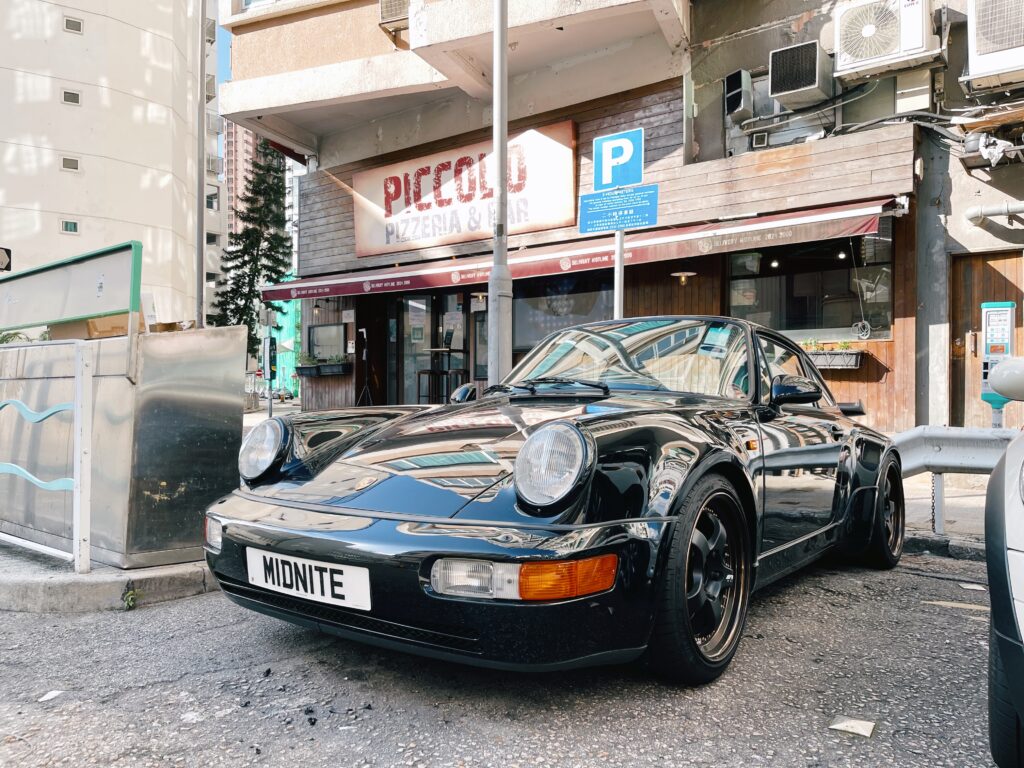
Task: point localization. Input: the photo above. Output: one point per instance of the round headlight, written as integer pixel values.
(260, 449)
(549, 463)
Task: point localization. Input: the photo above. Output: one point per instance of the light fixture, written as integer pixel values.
(316, 307)
(842, 255)
(774, 264)
(684, 276)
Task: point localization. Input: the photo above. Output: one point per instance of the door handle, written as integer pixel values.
(973, 336)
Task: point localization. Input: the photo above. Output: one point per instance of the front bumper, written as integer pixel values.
(1003, 498)
(609, 627)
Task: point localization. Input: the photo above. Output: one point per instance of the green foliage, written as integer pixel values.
(261, 252)
(11, 337)
(305, 359)
(844, 346)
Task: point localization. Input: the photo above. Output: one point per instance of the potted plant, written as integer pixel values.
(339, 365)
(840, 357)
(307, 366)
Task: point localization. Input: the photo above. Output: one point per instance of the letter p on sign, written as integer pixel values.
(619, 160)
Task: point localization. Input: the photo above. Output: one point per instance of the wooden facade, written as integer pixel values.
(866, 165)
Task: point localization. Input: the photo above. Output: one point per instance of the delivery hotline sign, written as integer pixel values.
(448, 197)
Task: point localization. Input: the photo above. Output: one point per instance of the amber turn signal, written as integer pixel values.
(559, 580)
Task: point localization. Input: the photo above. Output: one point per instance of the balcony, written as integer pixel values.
(210, 31)
(211, 88)
(215, 165)
(214, 123)
(430, 73)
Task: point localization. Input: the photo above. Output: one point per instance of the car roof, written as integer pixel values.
(645, 318)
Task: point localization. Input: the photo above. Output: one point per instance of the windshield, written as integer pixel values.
(706, 357)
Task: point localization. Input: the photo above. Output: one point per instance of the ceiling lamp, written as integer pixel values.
(684, 276)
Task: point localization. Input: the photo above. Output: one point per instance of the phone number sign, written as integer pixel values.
(615, 209)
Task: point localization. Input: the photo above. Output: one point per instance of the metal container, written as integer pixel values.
(166, 429)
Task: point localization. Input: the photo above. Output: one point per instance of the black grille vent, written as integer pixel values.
(794, 68)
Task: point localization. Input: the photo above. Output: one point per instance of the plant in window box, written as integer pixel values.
(339, 365)
(307, 366)
(842, 357)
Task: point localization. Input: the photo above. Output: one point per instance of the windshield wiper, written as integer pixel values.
(510, 387)
(563, 380)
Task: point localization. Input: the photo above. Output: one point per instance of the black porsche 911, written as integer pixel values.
(620, 495)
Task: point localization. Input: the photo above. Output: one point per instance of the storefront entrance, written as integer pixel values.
(977, 278)
(428, 346)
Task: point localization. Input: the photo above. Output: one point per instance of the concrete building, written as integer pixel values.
(239, 151)
(98, 139)
(815, 165)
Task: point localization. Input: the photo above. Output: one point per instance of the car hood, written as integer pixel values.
(435, 461)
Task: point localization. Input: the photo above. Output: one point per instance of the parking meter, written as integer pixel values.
(997, 331)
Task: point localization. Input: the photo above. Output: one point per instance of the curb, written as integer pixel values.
(945, 546)
(105, 589)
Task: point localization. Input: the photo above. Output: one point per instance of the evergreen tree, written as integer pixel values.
(260, 252)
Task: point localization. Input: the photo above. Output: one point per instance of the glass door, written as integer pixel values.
(415, 339)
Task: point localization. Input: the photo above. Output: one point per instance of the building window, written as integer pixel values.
(71, 97)
(212, 202)
(71, 24)
(69, 226)
(327, 341)
(70, 163)
(211, 238)
(833, 290)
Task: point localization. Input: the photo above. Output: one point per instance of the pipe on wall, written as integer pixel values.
(978, 213)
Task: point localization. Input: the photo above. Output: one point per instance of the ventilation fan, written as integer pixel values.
(875, 36)
(870, 31)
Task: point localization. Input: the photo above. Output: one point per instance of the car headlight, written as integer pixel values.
(550, 463)
(260, 448)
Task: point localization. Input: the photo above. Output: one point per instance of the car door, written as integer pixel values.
(801, 449)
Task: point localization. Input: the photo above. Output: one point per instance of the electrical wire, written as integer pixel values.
(794, 115)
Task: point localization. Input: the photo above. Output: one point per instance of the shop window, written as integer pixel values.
(327, 341)
(543, 305)
(834, 290)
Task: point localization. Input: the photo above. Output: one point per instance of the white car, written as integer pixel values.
(1004, 542)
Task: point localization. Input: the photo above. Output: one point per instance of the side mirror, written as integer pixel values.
(852, 409)
(1007, 378)
(463, 394)
(794, 390)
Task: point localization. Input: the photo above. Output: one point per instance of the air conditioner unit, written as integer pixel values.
(394, 14)
(873, 36)
(799, 75)
(739, 96)
(995, 43)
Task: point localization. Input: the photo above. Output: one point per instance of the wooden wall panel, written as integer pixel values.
(859, 166)
(319, 393)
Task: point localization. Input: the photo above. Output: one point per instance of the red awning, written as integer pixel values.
(849, 220)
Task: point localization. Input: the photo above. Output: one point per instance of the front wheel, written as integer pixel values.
(706, 589)
(889, 528)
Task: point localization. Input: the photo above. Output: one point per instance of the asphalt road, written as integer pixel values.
(200, 682)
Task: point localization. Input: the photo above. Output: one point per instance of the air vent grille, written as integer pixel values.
(71, 24)
(393, 10)
(69, 163)
(794, 68)
(998, 25)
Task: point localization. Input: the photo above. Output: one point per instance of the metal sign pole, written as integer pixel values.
(620, 269)
(499, 285)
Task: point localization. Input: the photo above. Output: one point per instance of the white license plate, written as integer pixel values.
(331, 583)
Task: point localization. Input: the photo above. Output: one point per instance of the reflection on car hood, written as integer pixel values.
(428, 461)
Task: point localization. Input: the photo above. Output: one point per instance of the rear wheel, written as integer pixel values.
(888, 530)
(1005, 730)
(706, 587)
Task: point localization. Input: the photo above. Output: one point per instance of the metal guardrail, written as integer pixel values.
(80, 484)
(950, 450)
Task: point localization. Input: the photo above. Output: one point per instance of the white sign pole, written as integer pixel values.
(499, 288)
(620, 269)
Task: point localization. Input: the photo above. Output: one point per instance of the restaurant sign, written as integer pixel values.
(448, 197)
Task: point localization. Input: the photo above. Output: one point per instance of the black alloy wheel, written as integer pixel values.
(1005, 725)
(886, 546)
(707, 583)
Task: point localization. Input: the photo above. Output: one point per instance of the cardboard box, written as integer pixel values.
(96, 328)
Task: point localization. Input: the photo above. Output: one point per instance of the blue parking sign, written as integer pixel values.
(619, 159)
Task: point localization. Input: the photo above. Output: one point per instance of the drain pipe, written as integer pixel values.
(978, 213)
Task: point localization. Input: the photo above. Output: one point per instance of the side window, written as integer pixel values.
(776, 360)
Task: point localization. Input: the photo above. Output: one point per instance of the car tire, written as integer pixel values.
(705, 588)
(1005, 729)
(888, 529)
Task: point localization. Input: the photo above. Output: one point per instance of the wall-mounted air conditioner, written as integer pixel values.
(800, 75)
(995, 43)
(873, 36)
(394, 15)
(739, 96)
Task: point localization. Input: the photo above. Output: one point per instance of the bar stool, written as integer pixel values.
(432, 375)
